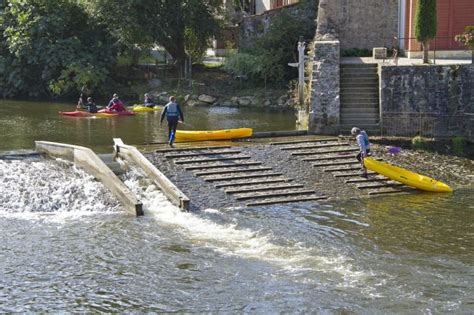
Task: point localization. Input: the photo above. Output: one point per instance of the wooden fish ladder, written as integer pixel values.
(241, 177)
(338, 158)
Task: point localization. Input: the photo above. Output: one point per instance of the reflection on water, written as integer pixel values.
(25, 122)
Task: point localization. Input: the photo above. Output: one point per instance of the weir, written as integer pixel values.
(249, 173)
(91, 163)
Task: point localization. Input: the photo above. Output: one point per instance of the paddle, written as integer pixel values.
(186, 124)
(79, 102)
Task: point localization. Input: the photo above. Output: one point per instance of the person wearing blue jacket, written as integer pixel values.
(173, 113)
(363, 141)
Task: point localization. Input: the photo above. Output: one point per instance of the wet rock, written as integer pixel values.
(207, 98)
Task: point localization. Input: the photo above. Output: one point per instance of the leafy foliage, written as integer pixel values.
(178, 26)
(52, 48)
(267, 60)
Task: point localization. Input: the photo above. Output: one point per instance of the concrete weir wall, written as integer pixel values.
(428, 100)
(91, 163)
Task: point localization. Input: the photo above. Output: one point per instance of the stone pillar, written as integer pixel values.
(325, 102)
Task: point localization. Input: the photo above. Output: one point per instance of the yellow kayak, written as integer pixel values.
(185, 135)
(144, 109)
(406, 177)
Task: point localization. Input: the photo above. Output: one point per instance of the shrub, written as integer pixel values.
(459, 145)
(419, 143)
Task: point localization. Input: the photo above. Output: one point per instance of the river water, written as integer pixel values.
(67, 246)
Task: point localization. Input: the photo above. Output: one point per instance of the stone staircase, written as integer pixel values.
(360, 98)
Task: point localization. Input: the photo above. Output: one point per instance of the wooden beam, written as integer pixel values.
(285, 200)
(304, 141)
(193, 148)
(330, 158)
(379, 186)
(336, 163)
(205, 160)
(252, 189)
(363, 180)
(229, 171)
(275, 194)
(352, 174)
(343, 169)
(325, 152)
(259, 182)
(215, 179)
(172, 156)
(372, 193)
(214, 166)
(316, 146)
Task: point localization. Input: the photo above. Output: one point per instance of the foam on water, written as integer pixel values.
(230, 239)
(28, 188)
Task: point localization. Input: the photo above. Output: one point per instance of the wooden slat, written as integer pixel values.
(275, 194)
(372, 193)
(336, 163)
(325, 152)
(215, 179)
(172, 156)
(248, 183)
(205, 160)
(352, 174)
(214, 166)
(379, 186)
(331, 158)
(316, 146)
(229, 171)
(193, 148)
(285, 200)
(363, 180)
(343, 169)
(304, 141)
(252, 189)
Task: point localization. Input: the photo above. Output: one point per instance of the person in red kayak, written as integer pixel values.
(117, 106)
(115, 100)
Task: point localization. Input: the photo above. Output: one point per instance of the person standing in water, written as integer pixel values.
(173, 113)
(364, 147)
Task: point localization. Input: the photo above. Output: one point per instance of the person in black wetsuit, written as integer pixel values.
(173, 112)
(89, 106)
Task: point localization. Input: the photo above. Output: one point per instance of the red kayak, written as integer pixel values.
(78, 113)
(124, 113)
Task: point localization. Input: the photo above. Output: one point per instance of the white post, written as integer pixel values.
(301, 48)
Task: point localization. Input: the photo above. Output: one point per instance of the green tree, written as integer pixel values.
(52, 48)
(181, 27)
(425, 24)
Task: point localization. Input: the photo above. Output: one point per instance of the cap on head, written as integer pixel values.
(89, 99)
(355, 131)
(115, 95)
(146, 94)
(172, 98)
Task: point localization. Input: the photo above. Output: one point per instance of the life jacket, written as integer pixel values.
(172, 110)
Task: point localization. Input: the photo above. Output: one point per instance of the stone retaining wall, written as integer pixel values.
(359, 23)
(427, 100)
(325, 102)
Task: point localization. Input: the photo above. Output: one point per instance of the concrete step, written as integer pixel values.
(359, 65)
(371, 102)
(372, 118)
(346, 110)
(358, 71)
(359, 99)
(374, 81)
(350, 88)
(371, 129)
(355, 84)
(359, 122)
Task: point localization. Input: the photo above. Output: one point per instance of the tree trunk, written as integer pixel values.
(426, 48)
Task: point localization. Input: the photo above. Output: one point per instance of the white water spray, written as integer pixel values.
(50, 186)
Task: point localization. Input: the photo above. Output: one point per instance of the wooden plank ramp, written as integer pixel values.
(241, 177)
